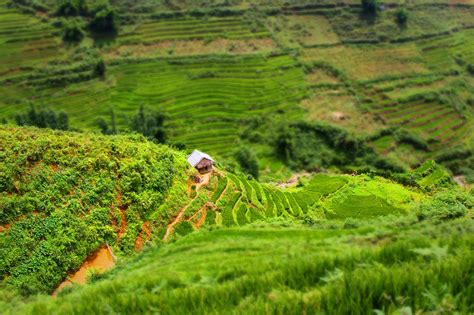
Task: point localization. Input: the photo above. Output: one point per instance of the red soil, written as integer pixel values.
(101, 260)
(145, 230)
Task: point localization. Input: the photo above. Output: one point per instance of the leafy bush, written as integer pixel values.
(369, 6)
(72, 8)
(401, 16)
(72, 31)
(99, 68)
(247, 161)
(470, 68)
(445, 206)
(104, 19)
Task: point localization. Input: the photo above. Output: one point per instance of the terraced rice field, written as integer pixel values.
(303, 30)
(25, 41)
(185, 29)
(240, 201)
(446, 53)
(431, 119)
(205, 99)
(369, 62)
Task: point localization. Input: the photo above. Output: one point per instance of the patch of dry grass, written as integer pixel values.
(303, 30)
(193, 47)
(339, 108)
(369, 62)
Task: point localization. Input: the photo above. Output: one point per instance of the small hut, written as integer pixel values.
(201, 161)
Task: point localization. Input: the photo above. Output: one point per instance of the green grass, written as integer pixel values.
(25, 42)
(185, 29)
(293, 269)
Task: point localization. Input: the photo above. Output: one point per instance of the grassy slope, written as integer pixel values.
(286, 268)
(66, 194)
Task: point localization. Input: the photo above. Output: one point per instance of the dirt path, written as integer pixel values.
(460, 180)
(293, 180)
(205, 179)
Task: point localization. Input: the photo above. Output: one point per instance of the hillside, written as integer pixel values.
(237, 72)
(342, 137)
(288, 268)
(66, 195)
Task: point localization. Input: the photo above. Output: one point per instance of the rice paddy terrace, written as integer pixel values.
(213, 69)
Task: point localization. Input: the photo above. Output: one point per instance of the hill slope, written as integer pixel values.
(288, 268)
(236, 71)
(65, 195)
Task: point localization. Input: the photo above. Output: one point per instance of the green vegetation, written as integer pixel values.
(67, 194)
(288, 268)
(343, 135)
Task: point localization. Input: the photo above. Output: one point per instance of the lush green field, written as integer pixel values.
(289, 268)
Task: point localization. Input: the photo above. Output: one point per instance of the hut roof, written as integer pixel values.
(197, 157)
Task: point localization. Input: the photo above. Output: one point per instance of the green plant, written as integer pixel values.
(401, 16)
(369, 6)
(72, 31)
(44, 118)
(100, 68)
(470, 68)
(247, 161)
(149, 124)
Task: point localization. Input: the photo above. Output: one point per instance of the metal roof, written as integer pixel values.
(197, 157)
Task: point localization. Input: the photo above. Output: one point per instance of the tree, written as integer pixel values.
(63, 121)
(151, 125)
(470, 68)
(104, 20)
(44, 118)
(248, 161)
(99, 68)
(401, 16)
(72, 8)
(104, 126)
(369, 6)
(72, 31)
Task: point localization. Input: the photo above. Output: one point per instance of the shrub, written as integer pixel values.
(401, 16)
(72, 32)
(104, 20)
(99, 68)
(72, 8)
(445, 206)
(470, 68)
(248, 161)
(369, 6)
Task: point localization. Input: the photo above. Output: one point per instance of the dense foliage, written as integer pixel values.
(342, 131)
(66, 194)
